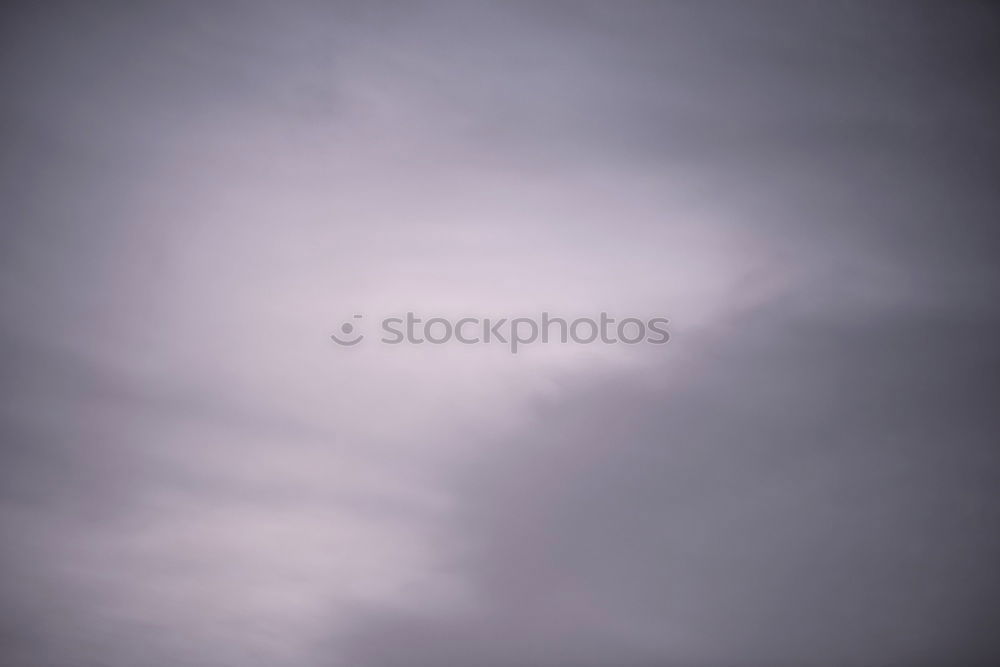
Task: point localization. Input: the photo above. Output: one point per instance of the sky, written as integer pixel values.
(195, 196)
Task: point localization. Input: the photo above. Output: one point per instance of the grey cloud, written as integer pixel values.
(821, 493)
(195, 194)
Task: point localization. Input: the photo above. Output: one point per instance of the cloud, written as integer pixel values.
(193, 474)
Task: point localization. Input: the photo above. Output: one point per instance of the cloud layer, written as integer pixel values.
(196, 197)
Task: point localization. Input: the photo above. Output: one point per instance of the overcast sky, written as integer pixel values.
(196, 195)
